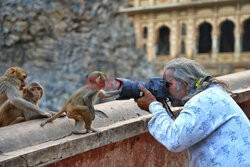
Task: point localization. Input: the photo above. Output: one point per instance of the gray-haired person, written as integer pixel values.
(211, 126)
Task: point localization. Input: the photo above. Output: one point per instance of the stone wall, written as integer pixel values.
(59, 42)
(124, 140)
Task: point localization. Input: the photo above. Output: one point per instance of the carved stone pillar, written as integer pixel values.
(237, 47)
(137, 30)
(195, 47)
(174, 37)
(190, 39)
(214, 47)
(136, 3)
(150, 40)
(237, 40)
(151, 2)
(215, 36)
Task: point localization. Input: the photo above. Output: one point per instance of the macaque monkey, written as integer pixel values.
(13, 80)
(80, 105)
(33, 93)
(10, 114)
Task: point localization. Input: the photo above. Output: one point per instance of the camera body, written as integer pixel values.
(130, 89)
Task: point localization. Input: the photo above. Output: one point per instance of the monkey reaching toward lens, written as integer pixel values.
(80, 105)
(11, 83)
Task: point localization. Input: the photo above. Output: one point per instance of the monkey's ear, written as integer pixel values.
(98, 78)
(24, 91)
(12, 71)
(103, 77)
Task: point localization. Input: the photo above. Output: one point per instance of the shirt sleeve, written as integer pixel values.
(193, 124)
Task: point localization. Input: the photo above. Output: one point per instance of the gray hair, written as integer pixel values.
(189, 71)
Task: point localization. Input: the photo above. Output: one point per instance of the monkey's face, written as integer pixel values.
(19, 74)
(23, 81)
(101, 81)
(36, 92)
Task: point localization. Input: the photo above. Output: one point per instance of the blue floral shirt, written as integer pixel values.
(211, 126)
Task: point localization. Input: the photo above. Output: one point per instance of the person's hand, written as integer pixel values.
(144, 102)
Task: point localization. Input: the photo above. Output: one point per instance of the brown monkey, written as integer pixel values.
(13, 80)
(10, 114)
(33, 93)
(80, 105)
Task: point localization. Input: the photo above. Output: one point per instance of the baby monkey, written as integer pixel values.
(80, 104)
(11, 82)
(33, 93)
(10, 114)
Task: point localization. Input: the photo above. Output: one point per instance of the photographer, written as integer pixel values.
(211, 126)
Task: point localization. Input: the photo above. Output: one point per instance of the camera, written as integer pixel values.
(130, 89)
(157, 86)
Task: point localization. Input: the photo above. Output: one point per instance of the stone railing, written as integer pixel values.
(124, 137)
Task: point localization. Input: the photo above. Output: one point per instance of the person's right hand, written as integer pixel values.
(146, 100)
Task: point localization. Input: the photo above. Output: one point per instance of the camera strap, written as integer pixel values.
(168, 110)
(173, 98)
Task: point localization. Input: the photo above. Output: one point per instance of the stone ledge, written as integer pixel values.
(236, 81)
(55, 142)
(170, 6)
(52, 151)
(30, 133)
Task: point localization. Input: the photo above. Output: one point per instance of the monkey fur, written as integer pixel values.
(13, 80)
(80, 104)
(33, 93)
(10, 114)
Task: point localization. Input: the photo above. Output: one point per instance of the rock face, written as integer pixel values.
(59, 42)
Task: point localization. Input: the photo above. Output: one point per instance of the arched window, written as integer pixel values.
(163, 41)
(246, 36)
(227, 36)
(205, 40)
(182, 47)
(183, 29)
(145, 32)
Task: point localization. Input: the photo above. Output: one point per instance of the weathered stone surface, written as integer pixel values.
(27, 144)
(48, 152)
(142, 151)
(237, 81)
(30, 133)
(59, 42)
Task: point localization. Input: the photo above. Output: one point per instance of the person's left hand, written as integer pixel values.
(144, 102)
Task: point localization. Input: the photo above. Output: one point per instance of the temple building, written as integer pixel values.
(214, 32)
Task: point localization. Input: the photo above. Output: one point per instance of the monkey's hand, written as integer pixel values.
(107, 94)
(101, 113)
(53, 113)
(47, 115)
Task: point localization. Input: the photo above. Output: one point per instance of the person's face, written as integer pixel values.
(172, 87)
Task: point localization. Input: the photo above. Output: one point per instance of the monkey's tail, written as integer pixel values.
(101, 113)
(54, 117)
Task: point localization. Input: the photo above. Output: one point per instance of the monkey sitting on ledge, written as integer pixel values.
(80, 104)
(33, 93)
(13, 80)
(10, 114)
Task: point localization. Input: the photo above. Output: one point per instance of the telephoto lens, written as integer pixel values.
(130, 89)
